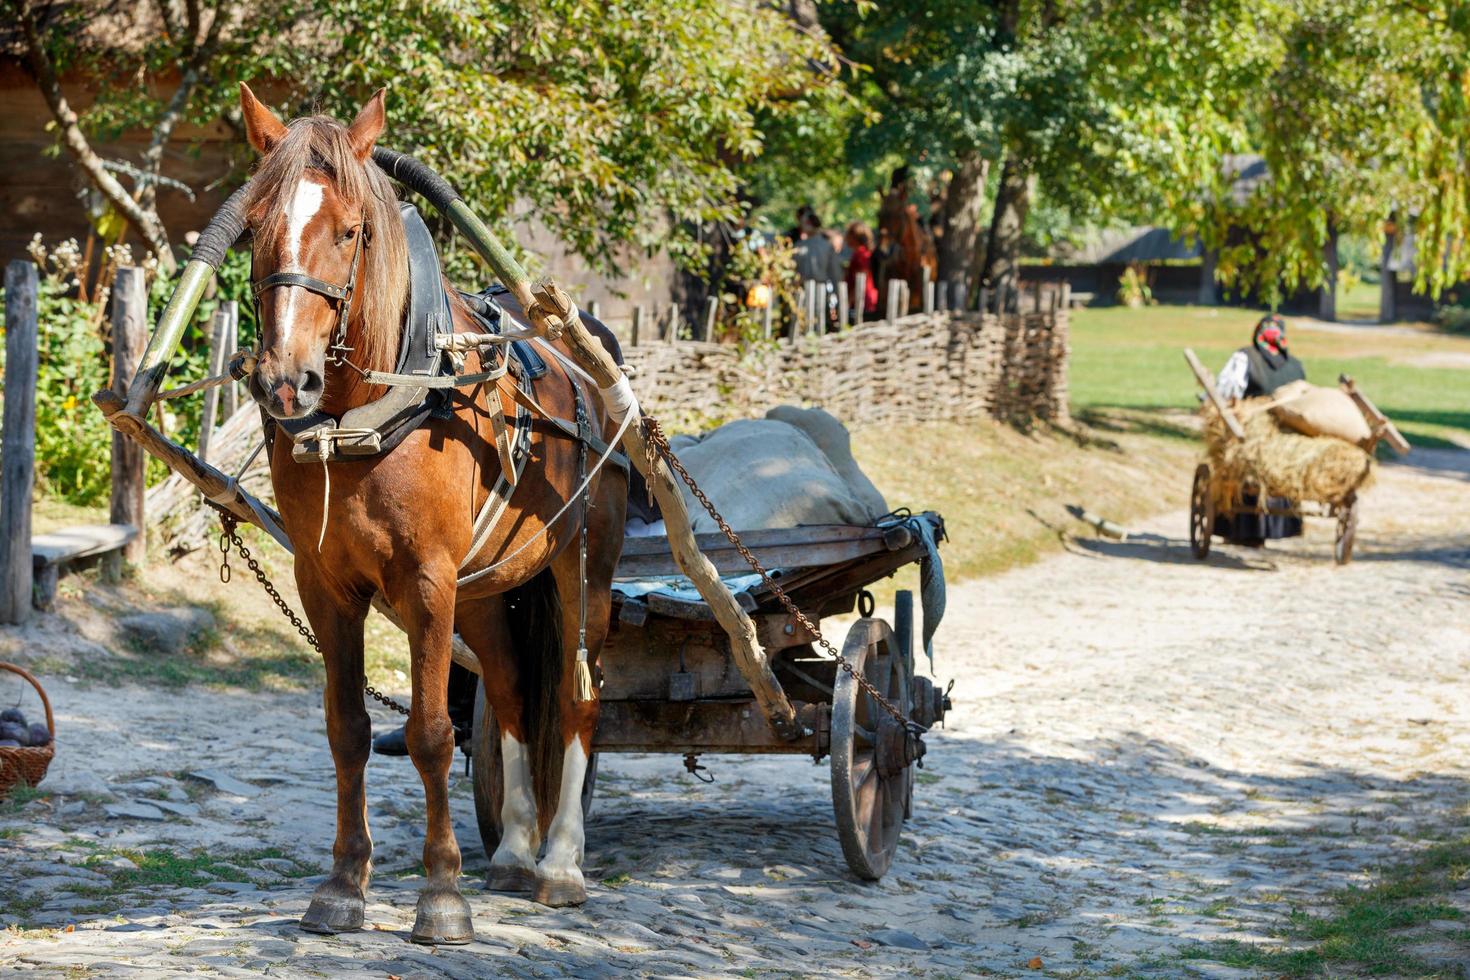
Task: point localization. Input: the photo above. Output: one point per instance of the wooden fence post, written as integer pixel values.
(673, 334)
(860, 301)
(941, 295)
(926, 290)
(1036, 296)
(766, 314)
(18, 441)
(230, 394)
(637, 326)
(595, 308)
(842, 305)
(129, 337)
(219, 356)
(711, 310)
(893, 291)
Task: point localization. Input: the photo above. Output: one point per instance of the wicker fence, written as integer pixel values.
(949, 365)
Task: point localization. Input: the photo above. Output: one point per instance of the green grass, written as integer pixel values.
(1125, 358)
(1371, 930)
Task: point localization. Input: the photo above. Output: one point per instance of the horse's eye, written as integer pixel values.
(347, 236)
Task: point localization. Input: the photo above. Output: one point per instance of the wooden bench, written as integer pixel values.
(68, 548)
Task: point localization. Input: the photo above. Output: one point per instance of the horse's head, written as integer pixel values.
(329, 266)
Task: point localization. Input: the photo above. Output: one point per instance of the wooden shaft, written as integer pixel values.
(18, 441)
(210, 481)
(592, 357)
(1380, 424)
(176, 315)
(1208, 384)
(218, 357)
(129, 465)
(229, 398)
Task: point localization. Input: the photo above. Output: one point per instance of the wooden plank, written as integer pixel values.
(1382, 427)
(1208, 384)
(18, 441)
(698, 726)
(129, 464)
(778, 548)
(81, 541)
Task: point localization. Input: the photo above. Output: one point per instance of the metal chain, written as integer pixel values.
(654, 434)
(229, 535)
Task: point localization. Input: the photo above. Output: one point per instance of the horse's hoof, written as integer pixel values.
(558, 892)
(513, 879)
(333, 913)
(443, 919)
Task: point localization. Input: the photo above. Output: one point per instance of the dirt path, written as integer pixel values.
(1146, 753)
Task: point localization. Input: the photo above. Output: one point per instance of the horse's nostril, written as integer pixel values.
(311, 382)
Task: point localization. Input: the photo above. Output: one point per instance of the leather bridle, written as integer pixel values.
(340, 295)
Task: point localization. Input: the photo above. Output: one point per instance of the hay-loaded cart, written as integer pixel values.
(670, 683)
(704, 670)
(1220, 488)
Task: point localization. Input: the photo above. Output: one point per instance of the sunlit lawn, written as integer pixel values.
(1132, 359)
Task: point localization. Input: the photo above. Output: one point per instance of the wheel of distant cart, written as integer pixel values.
(1201, 512)
(489, 783)
(871, 774)
(1347, 529)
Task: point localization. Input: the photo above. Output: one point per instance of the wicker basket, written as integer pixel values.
(27, 763)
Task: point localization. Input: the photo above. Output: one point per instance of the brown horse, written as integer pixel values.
(910, 243)
(399, 526)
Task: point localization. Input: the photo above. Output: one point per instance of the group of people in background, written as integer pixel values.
(828, 257)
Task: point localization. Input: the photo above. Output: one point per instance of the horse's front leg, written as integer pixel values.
(426, 604)
(337, 905)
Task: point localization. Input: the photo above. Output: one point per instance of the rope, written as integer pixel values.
(194, 386)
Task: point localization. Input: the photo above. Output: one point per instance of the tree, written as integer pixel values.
(617, 123)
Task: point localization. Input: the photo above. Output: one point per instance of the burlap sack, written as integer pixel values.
(1318, 411)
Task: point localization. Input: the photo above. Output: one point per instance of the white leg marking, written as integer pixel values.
(305, 203)
(518, 837)
(565, 838)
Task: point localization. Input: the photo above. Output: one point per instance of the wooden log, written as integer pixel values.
(1208, 384)
(18, 441)
(592, 357)
(129, 466)
(1377, 421)
(860, 287)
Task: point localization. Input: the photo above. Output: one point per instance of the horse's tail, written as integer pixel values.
(533, 612)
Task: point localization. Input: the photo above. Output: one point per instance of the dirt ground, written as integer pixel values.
(1147, 753)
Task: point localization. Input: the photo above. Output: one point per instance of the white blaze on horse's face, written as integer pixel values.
(305, 204)
(296, 322)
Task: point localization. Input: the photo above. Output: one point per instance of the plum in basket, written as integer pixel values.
(13, 715)
(9, 743)
(16, 732)
(39, 735)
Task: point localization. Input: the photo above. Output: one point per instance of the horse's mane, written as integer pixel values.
(322, 144)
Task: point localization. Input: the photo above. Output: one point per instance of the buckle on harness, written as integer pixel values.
(326, 443)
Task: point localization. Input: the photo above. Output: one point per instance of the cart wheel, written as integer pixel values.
(871, 780)
(1347, 530)
(1201, 512)
(489, 784)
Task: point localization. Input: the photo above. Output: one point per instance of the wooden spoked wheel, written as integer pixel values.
(871, 784)
(1201, 512)
(1347, 529)
(489, 781)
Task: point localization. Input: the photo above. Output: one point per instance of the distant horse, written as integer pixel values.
(911, 245)
(331, 270)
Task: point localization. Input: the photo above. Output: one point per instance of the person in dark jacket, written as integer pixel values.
(1252, 372)
(1262, 367)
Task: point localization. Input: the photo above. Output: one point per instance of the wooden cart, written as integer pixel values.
(669, 683)
(1204, 497)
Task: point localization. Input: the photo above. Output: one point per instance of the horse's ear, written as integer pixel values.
(262, 127)
(368, 126)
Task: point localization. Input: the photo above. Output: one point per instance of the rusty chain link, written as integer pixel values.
(654, 434)
(230, 535)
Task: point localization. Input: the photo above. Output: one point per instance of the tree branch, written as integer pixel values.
(144, 222)
(173, 113)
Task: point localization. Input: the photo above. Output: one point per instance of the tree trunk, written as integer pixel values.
(960, 220)
(1327, 299)
(1003, 248)
(1387, 276)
